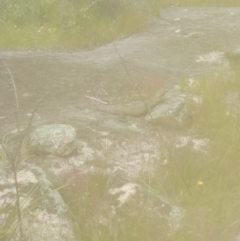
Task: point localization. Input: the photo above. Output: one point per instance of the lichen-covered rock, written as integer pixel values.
(55, 139)
(42, 207)
(172, 112)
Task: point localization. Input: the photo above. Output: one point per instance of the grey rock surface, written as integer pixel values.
(55, 139)
(42, 209)
(127, 197)
(172, 112)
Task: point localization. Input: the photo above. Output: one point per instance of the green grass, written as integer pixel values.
(214, 178)
(72, 25)
(65, 25)
(83, 201)
(194, 3)
(94, 32)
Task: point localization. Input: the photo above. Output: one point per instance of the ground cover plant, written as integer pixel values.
(205, 3)
(45, 24)
(65, 24)
(213, 178)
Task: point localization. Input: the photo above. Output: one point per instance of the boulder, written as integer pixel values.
(55, 139)
(172, 112)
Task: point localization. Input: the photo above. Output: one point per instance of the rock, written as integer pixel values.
(194, 145)
(108, 181)
(55, 139)
(42, 207)
(172, 112)
(128, 204)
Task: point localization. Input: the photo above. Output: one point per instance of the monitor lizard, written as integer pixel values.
(135, 109)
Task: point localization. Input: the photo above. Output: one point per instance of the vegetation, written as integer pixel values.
(65, 24)
(62, 24)
(205, 3)
(211, 199)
